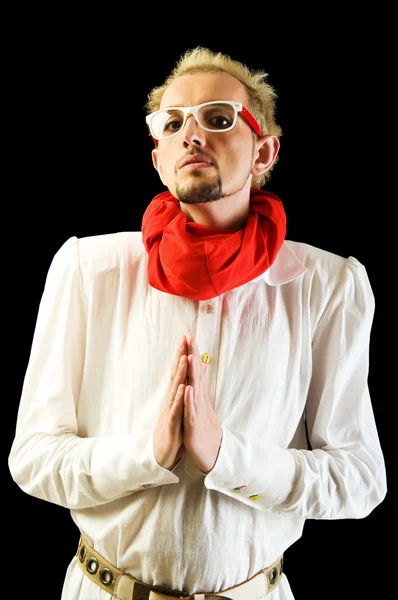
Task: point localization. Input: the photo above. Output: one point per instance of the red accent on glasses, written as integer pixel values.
(251, 120)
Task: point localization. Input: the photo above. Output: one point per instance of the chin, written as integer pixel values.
(199, 192)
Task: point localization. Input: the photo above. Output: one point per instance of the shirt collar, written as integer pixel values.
(285, 267)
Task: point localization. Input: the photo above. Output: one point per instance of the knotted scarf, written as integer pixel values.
(199, 262)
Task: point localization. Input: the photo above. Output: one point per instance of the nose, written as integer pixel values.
(192, 133)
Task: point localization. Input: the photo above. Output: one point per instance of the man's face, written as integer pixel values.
(230, 153)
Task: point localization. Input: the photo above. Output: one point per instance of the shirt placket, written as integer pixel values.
(208, 342)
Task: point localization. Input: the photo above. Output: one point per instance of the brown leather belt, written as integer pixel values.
(123, 586)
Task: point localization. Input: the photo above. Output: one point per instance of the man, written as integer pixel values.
(197, 390)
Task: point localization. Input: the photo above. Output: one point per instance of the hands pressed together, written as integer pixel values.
(188, 422)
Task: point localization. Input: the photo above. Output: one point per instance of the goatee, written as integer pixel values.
(200, 193)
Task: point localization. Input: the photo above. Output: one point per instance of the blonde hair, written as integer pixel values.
(262, 96)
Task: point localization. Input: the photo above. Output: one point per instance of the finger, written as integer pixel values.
(180, 376)
(181, 350)
(196, 362)
(191, 370)
(177, 406)
(191, 343)
(189, 404)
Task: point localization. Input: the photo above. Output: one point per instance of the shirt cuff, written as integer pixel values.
(153, 474)
(252, 472)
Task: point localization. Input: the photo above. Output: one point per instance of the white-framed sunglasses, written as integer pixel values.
(216, 116)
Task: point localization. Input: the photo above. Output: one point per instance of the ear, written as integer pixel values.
(156, 164)
(266, 151)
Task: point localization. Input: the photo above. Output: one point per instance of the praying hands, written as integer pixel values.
(188, 422)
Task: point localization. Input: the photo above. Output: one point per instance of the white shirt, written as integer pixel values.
(292, 343)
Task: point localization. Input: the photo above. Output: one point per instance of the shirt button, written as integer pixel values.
(255, 497)
(205, 357)
(239, 489)
(208, 308)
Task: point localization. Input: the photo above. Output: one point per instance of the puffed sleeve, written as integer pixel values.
(48, 459)
(343, 474)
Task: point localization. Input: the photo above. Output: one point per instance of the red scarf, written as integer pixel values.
(199, 262)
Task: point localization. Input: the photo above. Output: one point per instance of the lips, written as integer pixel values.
(195, 158)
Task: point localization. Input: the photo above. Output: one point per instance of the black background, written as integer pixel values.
(78, 163)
